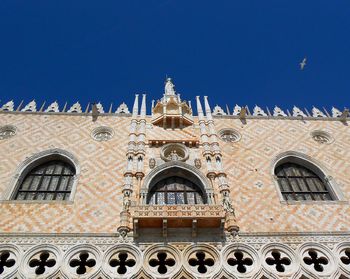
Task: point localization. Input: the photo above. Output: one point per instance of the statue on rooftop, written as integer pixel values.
(169, 87)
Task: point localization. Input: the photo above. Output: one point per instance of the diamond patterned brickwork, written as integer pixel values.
(248, 164)
(97, 201)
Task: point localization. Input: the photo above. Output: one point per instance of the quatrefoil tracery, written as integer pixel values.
(82, 263)
(278, 261)
(346, 259)
(315, 260)
(42, 263)
(162, 262)
(5, 261)
(240, 261)
(122, 263)
(201, 261)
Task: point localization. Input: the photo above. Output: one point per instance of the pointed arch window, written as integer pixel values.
(299, 183)
(51, 180)
(176, 190)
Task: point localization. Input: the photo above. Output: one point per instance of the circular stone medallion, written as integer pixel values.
(321, 137)
(229, 135)
(7, 131)
(102, 133)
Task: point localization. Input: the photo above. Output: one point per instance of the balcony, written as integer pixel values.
(178, 216)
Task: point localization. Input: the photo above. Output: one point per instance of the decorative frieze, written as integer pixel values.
(247, 256)
(123, 110)
(179, 211)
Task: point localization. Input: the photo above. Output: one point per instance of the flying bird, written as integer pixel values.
(302, 64)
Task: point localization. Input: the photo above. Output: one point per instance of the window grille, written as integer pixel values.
(299, 183)
(176, 190)
(52, 180)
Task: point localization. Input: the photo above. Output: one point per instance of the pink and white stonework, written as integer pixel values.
(235, 221)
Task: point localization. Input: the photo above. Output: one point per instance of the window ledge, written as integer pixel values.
(36, 202)
(314, 202)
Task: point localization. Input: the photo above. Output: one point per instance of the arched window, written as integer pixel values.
(300, 183)
(176, 190)
(51, 180)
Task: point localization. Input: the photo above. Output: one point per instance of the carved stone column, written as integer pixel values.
(231, 223)
(125, 217)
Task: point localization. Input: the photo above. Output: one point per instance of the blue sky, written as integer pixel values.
(244, 52)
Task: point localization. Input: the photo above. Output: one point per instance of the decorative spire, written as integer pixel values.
(199, 108)
(143, 105)
(207, 108)
(135, 109)
(228, 110)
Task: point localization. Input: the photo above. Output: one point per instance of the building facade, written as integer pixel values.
(126, 194)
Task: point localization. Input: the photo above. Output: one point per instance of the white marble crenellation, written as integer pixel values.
(123, 109)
